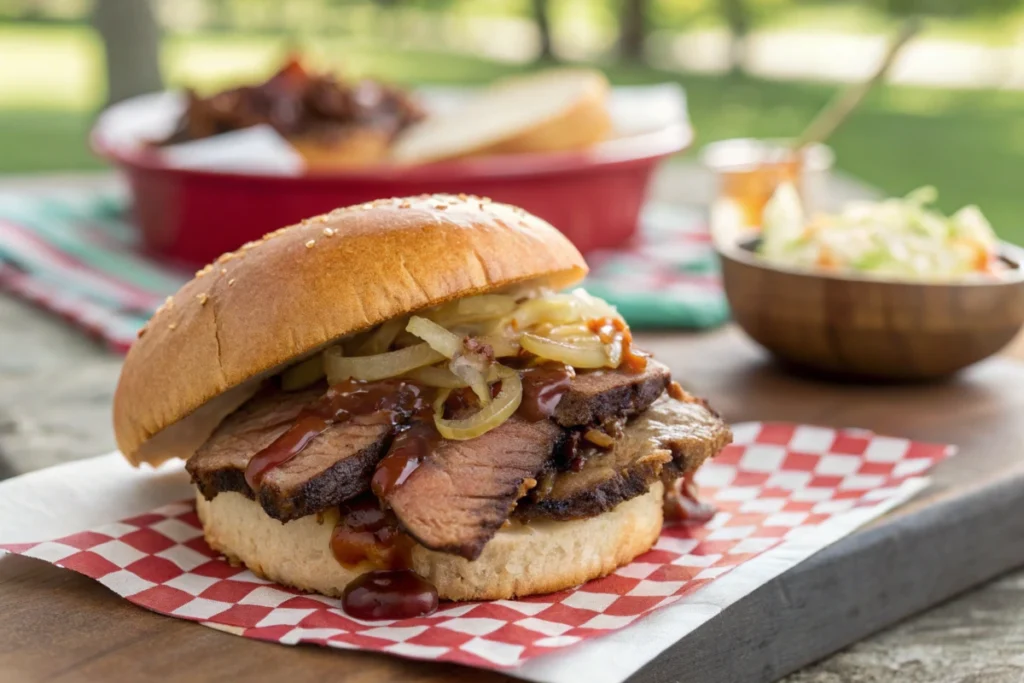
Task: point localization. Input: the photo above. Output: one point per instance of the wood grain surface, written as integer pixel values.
(57, 625)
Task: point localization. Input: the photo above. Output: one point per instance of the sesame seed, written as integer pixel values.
(223, 271)
(463, 196)
(441, 207)
(309, 244)
(328, 232)
(367, 206)
(172, 326)
(231, 282)
(169, 302)
(203, 298)
(142, 331)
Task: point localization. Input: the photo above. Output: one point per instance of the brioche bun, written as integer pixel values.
(542, 557)
(299, 289)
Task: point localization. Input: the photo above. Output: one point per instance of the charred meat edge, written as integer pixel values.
(673, 437)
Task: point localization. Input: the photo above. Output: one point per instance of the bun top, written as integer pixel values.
(298, 289)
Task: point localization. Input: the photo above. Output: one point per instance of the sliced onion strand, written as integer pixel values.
(488, 417)
(379, 366)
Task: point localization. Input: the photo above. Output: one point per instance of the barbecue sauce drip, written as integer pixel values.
(366, 533)
(411, 446)
(543, 388)
(394, 400)
(613, 330)
(683, 505)
(385, 594)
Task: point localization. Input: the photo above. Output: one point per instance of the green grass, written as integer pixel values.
(970, 145)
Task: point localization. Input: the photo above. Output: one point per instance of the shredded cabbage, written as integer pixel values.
(901, 238)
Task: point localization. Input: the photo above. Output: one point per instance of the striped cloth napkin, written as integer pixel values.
(79, 257)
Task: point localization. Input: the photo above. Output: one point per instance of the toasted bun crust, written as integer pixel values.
(521, 560)
(299, 288)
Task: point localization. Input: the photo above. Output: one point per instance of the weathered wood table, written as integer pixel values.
(55, 391)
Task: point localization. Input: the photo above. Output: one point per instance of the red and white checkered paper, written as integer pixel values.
(775, 482)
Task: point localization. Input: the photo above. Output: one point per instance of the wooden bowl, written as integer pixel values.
(870, 328)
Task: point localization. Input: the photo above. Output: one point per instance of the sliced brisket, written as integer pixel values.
(335, 466)
(597, 395)
(458, 498)
(464, 491)
(672, 437)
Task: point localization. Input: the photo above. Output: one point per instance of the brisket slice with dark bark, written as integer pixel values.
(335, 466)
(671, 438)
(460, 496)
(597, 395)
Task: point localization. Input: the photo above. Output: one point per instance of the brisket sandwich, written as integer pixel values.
(399, 398)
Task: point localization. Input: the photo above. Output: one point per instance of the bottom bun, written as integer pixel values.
(520, 560)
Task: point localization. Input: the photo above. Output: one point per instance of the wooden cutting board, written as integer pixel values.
(967, 528)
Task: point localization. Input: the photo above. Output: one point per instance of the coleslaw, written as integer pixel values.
(901, 238)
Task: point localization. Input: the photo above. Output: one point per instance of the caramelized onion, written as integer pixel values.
(304, 374)
(442, 377)
(488, 417)
(380, 339)
(438, 338)
(472, 368)
(537, 311)
(379, 366)
(575, 354)
(599, 438)
(502, 346)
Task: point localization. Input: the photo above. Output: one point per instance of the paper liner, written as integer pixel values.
(779, 487)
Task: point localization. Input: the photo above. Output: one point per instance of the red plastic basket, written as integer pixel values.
(193, 216)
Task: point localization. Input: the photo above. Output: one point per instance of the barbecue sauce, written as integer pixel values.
(411, 446)
(613, 330)
(543, 388)
(389, 594)
(682, 504)
(393, 400)
(366, 533)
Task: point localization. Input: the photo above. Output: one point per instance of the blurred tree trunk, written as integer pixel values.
(737, 17)
(131, 41)
(540, 15)
(633, 30)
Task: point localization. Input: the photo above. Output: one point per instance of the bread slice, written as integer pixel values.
(358, 148)
(556, 110)
(542, 557)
